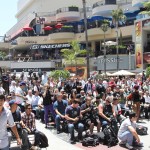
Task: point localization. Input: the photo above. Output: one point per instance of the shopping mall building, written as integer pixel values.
(44, 27)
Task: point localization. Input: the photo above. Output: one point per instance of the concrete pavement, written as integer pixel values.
(61, 141)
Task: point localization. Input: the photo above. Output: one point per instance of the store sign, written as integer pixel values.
(31, 69)
(50, 46)
(111, 62)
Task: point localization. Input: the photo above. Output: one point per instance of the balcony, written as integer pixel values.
(68, 14)
(102, 9)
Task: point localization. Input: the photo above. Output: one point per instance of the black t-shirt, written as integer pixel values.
(89, 113)
(47, 100)
(17, 116)
(136, 96)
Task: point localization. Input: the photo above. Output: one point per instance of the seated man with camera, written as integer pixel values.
(106, 111)
(89, 117)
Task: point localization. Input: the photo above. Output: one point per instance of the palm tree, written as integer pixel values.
(71, 55)
(117, 16)
(105, 26)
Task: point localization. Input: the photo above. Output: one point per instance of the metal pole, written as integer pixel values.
(129, 59)
(117, 46)
(86, 37)
(104, 55)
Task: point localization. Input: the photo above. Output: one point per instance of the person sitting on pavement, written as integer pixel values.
(59, 107)
(89, 118)
(73, 116)
(147, 104)
(20, 95)
(34, 104)
(117, 109)
(17, 119)
(28, 122)
(106, 111)
(127, 132)
(6, 118)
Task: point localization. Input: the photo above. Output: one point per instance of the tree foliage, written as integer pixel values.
(147, 71)
(105, 25)
(70, 55)
(118, 15)
(60, 74)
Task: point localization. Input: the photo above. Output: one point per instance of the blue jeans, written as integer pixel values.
(57, 121)
(126, 137)
(5, 148)
(48, 108)
(80, 128)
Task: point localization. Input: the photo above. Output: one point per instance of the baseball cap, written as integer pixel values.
(11, 102)
(22, 83)
(136, 87)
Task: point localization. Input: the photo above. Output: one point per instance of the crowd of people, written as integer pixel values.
(78, 103)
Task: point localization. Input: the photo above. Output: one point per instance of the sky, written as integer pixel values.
(8, 10)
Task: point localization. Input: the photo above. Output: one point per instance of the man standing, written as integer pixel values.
(6, 118)
(59, 107)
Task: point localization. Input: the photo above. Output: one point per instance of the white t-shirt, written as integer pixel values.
(147, 99)
(124, 126)
(29, 99)
(35, 100)
(40, 102)
(20, 92)
(117, 108)
(2, 91)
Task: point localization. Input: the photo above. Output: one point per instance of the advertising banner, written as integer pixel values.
(138, 45)
(138, 54)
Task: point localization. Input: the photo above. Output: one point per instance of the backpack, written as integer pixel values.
(90, 141)
(110, 138)
(41, 140)
(141, 130)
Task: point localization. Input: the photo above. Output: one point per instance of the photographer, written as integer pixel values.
(106, 111)
(48, 104)
(89, 118)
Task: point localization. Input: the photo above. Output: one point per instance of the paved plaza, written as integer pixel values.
(61, 141)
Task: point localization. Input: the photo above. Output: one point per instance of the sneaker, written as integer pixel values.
(58, 131)
(129, 146)
(138, 144)
(33, 148)
(72, 141)
(122, 143)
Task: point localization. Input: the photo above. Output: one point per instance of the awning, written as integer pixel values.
(47, 28)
